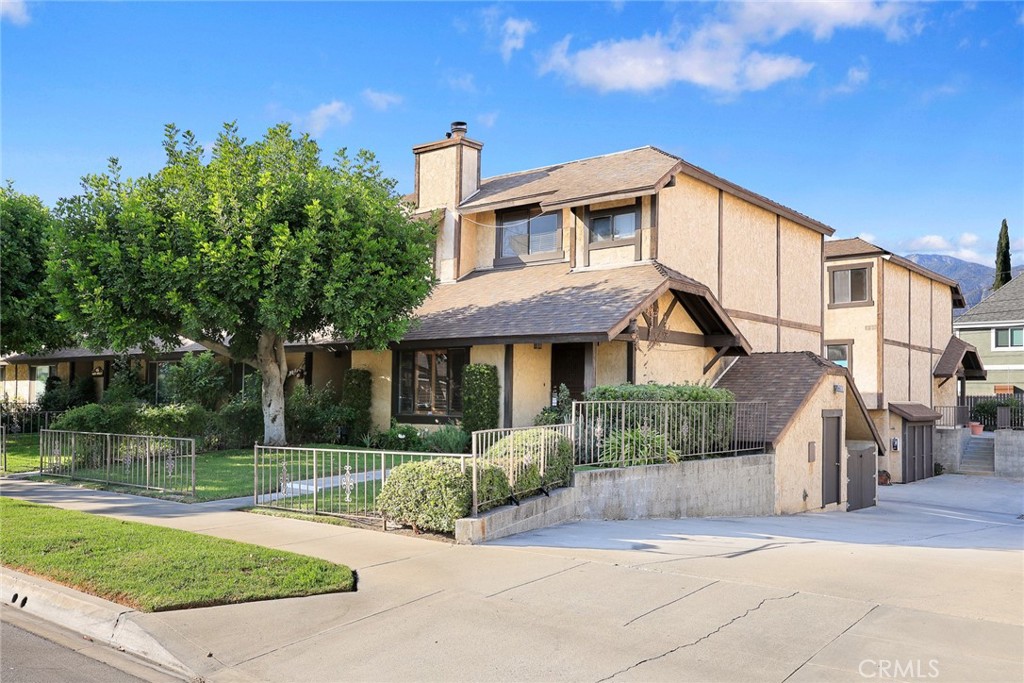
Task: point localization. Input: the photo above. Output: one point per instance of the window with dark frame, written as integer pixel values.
(613, 225)
(838, 354)
(523, 233)
(850, 286)
(430, 382)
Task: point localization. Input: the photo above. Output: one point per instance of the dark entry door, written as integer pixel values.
(917, 451)
(860, 482)
(831, 463)
(567, 367)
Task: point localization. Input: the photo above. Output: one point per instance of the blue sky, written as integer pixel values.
(900, 122)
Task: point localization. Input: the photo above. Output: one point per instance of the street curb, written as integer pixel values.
(101, 620)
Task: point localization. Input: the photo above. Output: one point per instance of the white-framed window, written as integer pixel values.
(1008, 338)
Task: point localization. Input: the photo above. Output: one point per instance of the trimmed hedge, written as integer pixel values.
(659, 392)
(426, 494)
(533, 460)
(117, 418)
(356, 399)
(480, 396)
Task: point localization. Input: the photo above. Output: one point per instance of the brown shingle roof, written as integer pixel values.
(959, 352)
(81, 353)
(914, 412)
(853, 246)
(1006, 304)
(548, 302)
(612, 176)
(784, 381)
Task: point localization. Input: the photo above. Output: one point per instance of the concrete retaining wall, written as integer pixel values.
(949, 445)
(1009, 460)
(734, 487)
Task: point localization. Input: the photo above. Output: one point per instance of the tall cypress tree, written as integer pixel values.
(1002, 257)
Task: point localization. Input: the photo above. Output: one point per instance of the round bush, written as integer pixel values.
(492, 487)
(427, 494)
(533, 459)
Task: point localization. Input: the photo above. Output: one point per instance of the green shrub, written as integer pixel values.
(986, 411)
(184, 420)
(533, 459)
(637, 446)
(311, 415)
(399, 438)
(480, 396)
(126, 384)
(198, 378)
(450, 438)
(561, 413)
(117, 418)
(492, 487)
(356, 400)
(427, 494)
(659, 392)
(237, 424)
(59, 396)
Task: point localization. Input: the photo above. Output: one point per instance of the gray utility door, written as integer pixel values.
(831, 460)
(861, 482)
(917, 451)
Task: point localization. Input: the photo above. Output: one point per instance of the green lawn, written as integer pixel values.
(22, 453)
(154, 568)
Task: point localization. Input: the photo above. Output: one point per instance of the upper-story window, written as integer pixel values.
(528, 235)
(839, 353)
(614, 224)
(1009, 338)
(850, 286)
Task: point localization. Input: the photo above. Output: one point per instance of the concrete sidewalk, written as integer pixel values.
(931, 578)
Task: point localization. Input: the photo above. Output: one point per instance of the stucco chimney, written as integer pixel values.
(447, 171)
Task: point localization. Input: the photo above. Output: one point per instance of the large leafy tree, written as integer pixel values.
(1003, 267)
(28, 313)
(261, 244)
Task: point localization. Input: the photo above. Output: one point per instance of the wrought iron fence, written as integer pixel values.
(161, 463)
(1010, 417)
(327, 481)
(625, 433)
(534, 460)
(26, 418)
(953, 416)
(3, 447)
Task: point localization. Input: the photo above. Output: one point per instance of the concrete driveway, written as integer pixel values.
(928, 585)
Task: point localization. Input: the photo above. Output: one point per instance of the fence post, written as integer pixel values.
(74, 450)
(1002, 417)
(316, 472)
(108, 453)
(476, 500)
(148, 452)
(255, 475)
(193, 468)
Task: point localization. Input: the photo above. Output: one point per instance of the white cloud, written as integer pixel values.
(513, 36)
(459, 80)
(1017, 245)
(488, 120)
(944, 90)
(333, 113)
(968, 239)
(727, 53)
(381, 101)
(867, 237)
(931, 243)
(856, 77)
(15, 11)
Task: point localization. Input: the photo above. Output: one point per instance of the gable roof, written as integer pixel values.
(785, 381)
(957, 353)
(914, 412)
(620, 175)
(854, 247)
(1006, 304)
(551, 303)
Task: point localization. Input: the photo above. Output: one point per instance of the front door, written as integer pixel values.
(567, 367)
(831, 463)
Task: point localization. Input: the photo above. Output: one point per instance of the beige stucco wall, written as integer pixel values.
(666, 363)
(800, 340)
(859, 323)
(437, 178)
(920, 310)
(896, 298)
(942, 314)
(611, 363)
(494, 354)
(378, 363)
(944, 395)
(329, 370)
(763, 337)
(612, 256)
(794, 475)
(921, 377)
(897, 373)
(470, 170)
(801, 274)
(444, 249)
(749, 284)
(688, 229)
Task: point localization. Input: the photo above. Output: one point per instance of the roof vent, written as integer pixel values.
(459, 128)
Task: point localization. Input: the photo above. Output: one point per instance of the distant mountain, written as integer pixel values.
(975, 279)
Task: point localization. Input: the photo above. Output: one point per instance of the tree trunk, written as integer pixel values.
(274, 367)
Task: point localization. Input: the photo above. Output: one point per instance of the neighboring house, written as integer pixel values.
(889, 321)
(995, 327)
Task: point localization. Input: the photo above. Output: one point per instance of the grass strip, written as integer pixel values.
(22, 453)
(153, 568)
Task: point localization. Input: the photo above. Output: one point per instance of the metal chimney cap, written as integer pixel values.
(459, 127)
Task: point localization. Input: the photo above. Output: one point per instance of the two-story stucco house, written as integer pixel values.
(890, 321)
(995, 327)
